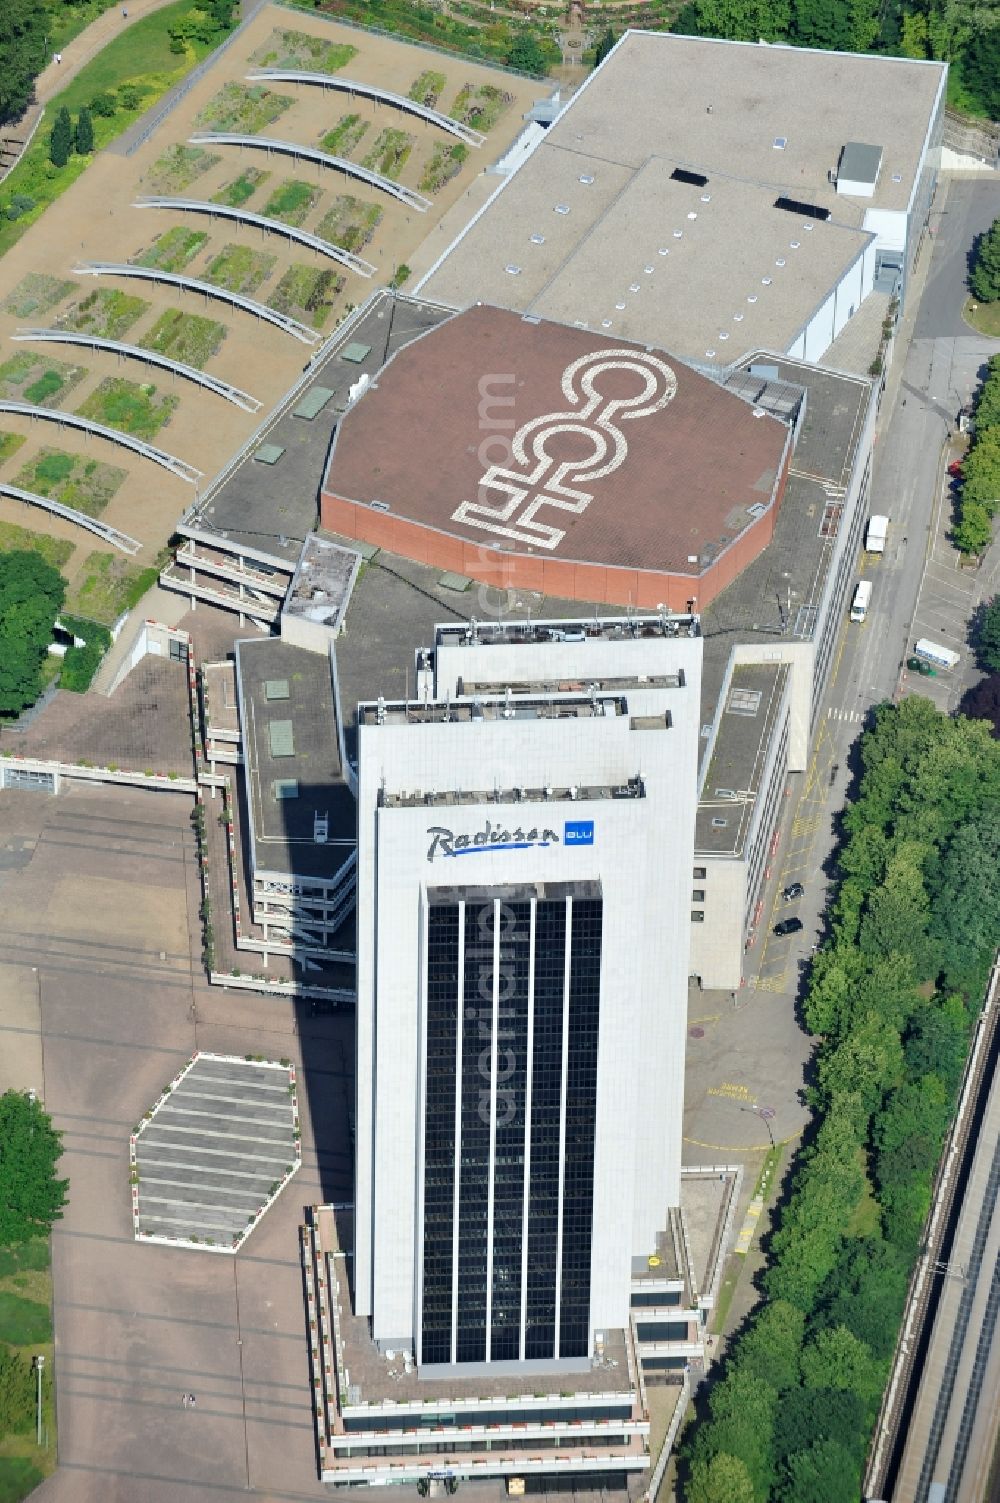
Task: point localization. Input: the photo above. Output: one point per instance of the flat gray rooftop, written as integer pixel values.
(292, 759)
(321, 585)
(577, 232)
(273, 508)
(216, 1149)
(733, 779)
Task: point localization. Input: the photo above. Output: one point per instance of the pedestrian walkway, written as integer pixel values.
(91, 40)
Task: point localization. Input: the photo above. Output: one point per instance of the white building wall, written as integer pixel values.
(642, 855)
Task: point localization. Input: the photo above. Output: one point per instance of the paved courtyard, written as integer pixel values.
(100, 910)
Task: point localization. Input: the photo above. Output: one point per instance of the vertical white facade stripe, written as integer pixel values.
(527, 1127)
(456, 1204)
(418, 1276)
(491, 1186)
(562, 1113)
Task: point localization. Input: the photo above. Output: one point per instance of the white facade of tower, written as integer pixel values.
(561, 760)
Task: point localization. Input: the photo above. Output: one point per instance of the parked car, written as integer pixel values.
(788, 926)
(793, 890)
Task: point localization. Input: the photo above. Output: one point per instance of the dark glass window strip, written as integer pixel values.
(581, 1107)
(543, 1202)
(474, 1173)
(439, 1131)
(508, 1157)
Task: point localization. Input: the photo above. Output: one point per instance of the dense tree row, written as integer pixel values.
(979, 497)
(892, 996)
(960, 32)
(31, 594)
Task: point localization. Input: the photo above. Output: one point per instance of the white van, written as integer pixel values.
(933, 652)
(862, 600)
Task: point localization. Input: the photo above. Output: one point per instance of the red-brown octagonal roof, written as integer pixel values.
(533, 437)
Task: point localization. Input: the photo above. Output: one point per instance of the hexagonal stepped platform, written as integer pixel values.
(213, 1153)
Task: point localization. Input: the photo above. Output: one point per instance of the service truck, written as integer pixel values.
(933, 652)
(878, 529)
(862, 600)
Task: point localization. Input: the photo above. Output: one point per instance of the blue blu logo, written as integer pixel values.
(578, 832)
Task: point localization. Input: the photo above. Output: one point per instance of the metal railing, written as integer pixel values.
(370, 91)
(408, 196)
(79, 518)
(261, 221)
(178, 467)
(151, 357)
(283, 321)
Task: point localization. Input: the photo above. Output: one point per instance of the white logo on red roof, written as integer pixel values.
(510, 497)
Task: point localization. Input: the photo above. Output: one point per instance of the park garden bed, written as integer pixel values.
(445, 162)
(37, 293)
(242, 188)
(302, 50)
(292, 201)
(27, 377)
(187, 337)
(307, 293)
(345, 135)
(243, 108)
(85, 484)
(349, 223)
(172, 250)
(130, 407)
(239, 269)
(25, 1333)
(9, 445)
(178, 168)
(480, 105)
(389, 153)
(427, 88)
(106, 313)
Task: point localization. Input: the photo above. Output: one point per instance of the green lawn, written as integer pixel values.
(55, 551)
(349, 223)
(292, 201)
(140, 56)
(307, 293)
(300, 49)
(240, 269)
(22, 1321)
(17, 1478)
(985, 319)
(27, 377)
(243, 107)
(242, 188)
(37, 293)
(178, 167)
(186, 337)
(85, 484)
(129, 407)
(106, 313)
(388, 155)
(428, 88)
(444, 164)
(345, 135)
(9, 444)
(172, 250)
(480, 105)
(108, 586)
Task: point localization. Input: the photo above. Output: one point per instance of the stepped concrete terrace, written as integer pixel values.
(214, 1152)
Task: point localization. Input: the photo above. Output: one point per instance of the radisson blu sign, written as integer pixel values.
(497, 837)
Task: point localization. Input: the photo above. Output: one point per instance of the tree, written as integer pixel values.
(526, 55)
(724, 1479)
(988, 633)
(988, 400)
(31, 594)
(983, 702)
(866, 1293)
(967, 905)
(604, 46)
(743, 20)
(838, 1359)
(24, 46)
(31, 1198)
(61, 139)
(938, 1041)
(981, 471)
(974, 531)
(771, 1347)
(979, 69)
(825, 1473)
(985, 278)
(104, 104)
(84, 133)
(819, 1414)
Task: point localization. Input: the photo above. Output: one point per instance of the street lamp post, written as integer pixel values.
(39, 1366)
(765, 1113)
